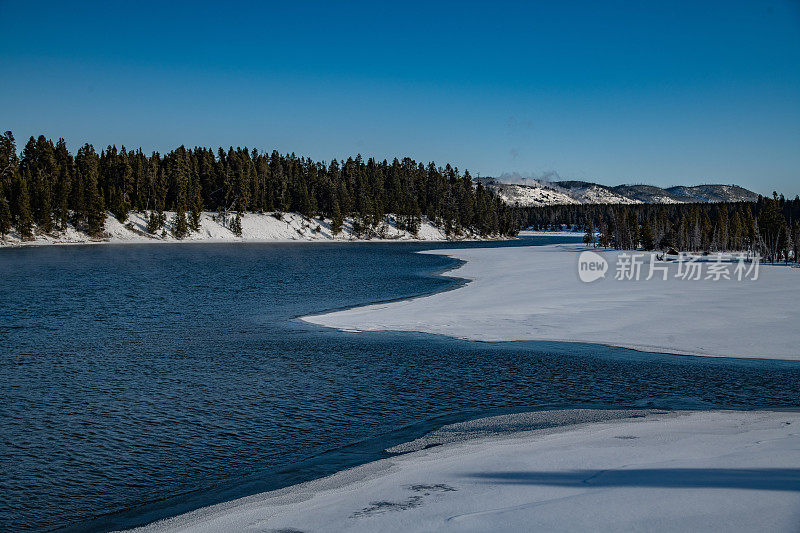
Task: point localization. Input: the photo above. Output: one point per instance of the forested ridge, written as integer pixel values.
(769, 226)
(46, 188)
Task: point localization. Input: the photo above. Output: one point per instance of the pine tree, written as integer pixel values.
(707, 231)
(787, 242)
(178, 173)
(647, 236)
(5, 217)
(336, 218)
(8, 169)
(22, 209)
(155, 222)
(605, 237)
(179, 227)
(796, 242)
(87, 163)
(721, 230)
(771, 227)
(64, 182)
(9, 161)
(749, 230)
(45, 211)
(119, 206)
(635, 237)
(196, 209)
(236, 225)
(96, 216)
(303, 200)
(735, 231)
(38, 161)
(588, 237)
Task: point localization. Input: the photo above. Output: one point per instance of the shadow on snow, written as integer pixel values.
(783, 479)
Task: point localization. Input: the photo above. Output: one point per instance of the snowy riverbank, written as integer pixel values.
(534, 293)
(710, 471)
(265, 227)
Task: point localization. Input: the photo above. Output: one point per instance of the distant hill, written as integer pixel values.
(533, 192)
(714, 193)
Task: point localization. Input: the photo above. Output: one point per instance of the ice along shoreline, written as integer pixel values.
(736, 471)
(534, 294)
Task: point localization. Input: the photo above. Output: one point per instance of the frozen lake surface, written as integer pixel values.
(534, 293)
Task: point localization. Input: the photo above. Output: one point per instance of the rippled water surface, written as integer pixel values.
(143, 381)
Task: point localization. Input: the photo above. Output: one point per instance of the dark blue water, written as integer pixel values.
(143, 381)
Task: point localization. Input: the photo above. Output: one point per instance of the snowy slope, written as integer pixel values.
(592, 193)
(532, 193)
(648, 194)
(265, 227)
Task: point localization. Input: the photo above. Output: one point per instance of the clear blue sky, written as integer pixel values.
(663, 93)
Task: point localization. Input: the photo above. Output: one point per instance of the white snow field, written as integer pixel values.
(534, 293)
(264, 227)
(692, 471)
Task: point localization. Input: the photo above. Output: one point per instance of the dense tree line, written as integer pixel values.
(769, 226)
(46, 187)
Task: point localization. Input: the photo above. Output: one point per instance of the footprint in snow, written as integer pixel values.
(411, 502)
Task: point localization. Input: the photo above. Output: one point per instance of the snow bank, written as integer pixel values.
(534, 293)
(266, 227)
(697, 471)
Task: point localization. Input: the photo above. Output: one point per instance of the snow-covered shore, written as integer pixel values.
(691, 471)
(534, 293)
(264, 227)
